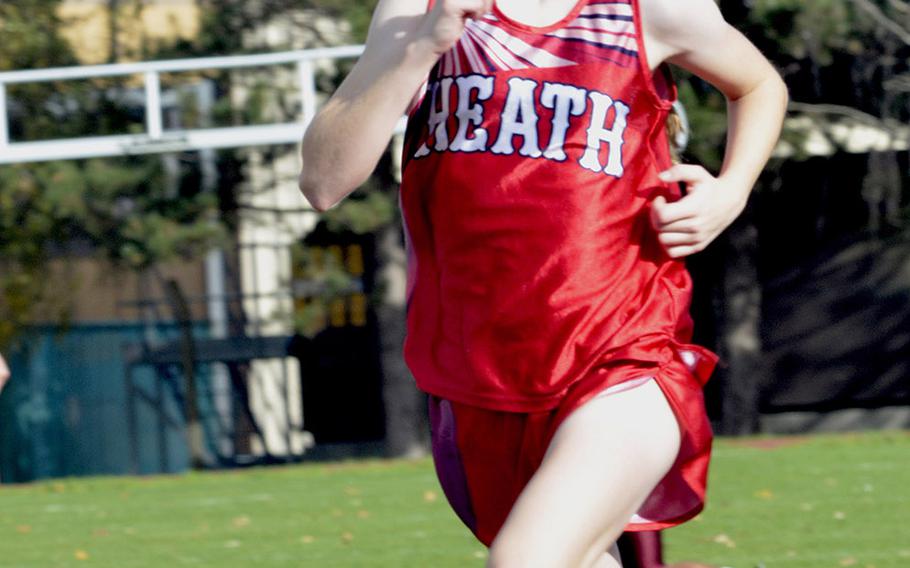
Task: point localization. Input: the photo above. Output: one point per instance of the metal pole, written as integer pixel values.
(153, 119)
(307, 91)
(285, 395)
(132, 427)
(215, 282)
(177, 65)
(162, 421)
(4, 121)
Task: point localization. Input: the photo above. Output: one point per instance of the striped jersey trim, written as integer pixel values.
(602, 31)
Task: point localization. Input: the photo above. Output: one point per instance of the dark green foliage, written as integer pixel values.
(115, 209)
(830, 52)
(225, 22)
(227, 28)
(125, 210)
(30, 38)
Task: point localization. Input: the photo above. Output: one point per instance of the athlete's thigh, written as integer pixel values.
(608, 559)
(602, 463)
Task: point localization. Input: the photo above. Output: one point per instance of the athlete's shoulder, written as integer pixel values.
(676, 26)
(675, 16)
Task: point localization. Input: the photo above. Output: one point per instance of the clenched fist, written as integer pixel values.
(688, 225)
(445, 22)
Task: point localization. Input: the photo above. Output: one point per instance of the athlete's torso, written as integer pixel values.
(528, 170)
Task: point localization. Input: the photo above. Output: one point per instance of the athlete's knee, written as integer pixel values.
(548, 554)
(511, 554)
(518, 549)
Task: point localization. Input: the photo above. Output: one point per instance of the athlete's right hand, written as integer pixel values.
(445, 23)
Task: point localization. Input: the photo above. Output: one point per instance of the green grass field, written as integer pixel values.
(793, 503)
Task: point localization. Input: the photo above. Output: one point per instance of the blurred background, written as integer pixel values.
(168, 300)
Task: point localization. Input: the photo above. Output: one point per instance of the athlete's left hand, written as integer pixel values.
(688, 225)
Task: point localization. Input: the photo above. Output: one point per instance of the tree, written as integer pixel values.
(819, 47)
(122, 210)
(846, 66)
(228, 27)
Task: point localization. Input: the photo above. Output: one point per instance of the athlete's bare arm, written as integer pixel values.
(4, 373)
(346, 139)
(693, 35)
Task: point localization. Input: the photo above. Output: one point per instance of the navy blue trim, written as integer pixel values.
(622, 50)
(615, 17)
(480, 51)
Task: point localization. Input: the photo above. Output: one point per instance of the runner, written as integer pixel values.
(548, 303)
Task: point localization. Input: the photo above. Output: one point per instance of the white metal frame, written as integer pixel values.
(156, 139)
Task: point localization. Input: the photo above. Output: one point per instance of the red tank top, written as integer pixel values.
(527, 174)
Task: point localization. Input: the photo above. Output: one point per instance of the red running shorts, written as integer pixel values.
(484, 458)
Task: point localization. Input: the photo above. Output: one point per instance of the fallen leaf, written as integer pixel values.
(101, 532)
(241, 521)
(764, 494)
(724, 540)
(430, 496)
(363, 514)
(346, 537)
(848, 561)
(24, 529)
(81, 555)
(307, 539)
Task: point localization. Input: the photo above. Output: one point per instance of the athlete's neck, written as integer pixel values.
(538, 13)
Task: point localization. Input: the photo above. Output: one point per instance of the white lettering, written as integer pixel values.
(519, 119)
(564, 100)
(469, 114)
(437, 119)
(598, 133)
